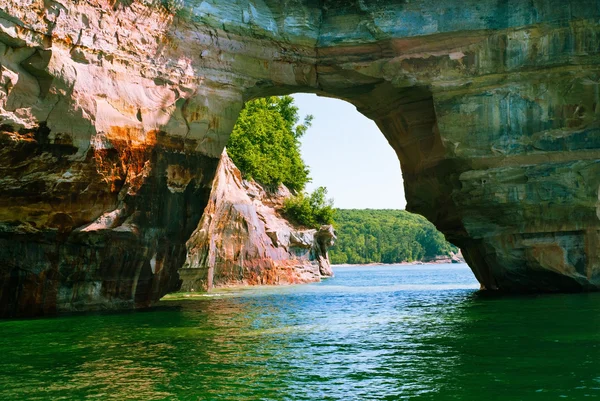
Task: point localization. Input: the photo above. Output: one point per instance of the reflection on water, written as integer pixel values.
(371, 333)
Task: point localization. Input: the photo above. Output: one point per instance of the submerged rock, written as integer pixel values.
(243, 240)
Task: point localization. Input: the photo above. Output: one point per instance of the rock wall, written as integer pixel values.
(113, 114)
(242, 239)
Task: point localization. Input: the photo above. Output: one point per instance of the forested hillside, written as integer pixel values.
(265, 146)
(385, 236)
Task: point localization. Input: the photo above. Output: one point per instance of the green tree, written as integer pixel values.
(386, 236)
(265, 142)
(310, 210)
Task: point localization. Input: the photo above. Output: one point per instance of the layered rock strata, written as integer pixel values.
(243, 240)
(113, 115)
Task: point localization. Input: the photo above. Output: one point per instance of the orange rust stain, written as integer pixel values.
(151, 138)
(17, 137)
(193, 116)
(214, 123)
(127, 162)
(552, 257)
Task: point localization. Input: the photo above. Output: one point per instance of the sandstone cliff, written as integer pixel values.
(243, 240)
(113, 115)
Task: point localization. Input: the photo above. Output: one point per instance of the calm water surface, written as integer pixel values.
(371, 333)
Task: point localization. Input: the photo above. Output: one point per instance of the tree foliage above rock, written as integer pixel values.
(311, 210)
(265, 144)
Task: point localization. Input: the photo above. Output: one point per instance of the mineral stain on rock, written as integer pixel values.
(113, 116)
(243, 240)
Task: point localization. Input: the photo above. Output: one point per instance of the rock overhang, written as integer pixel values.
(492, 108)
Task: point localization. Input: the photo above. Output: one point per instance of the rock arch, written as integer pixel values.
(113, 114)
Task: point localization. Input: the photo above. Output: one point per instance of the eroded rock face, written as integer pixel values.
(242, 240)
(114, 113)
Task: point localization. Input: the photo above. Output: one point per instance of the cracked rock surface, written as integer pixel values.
(113, 115)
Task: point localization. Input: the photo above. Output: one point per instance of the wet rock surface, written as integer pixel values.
(113, 115)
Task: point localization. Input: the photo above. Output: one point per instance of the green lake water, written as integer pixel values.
(370, 333)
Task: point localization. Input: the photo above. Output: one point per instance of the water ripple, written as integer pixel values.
(377, 333)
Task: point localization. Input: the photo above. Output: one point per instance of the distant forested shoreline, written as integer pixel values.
(265, 146)
(386, 236)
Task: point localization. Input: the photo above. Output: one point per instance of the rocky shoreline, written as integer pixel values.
(454, 259)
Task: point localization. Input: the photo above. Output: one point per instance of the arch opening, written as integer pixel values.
(244, 236)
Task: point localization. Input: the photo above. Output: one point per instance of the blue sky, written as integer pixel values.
(348, 154)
